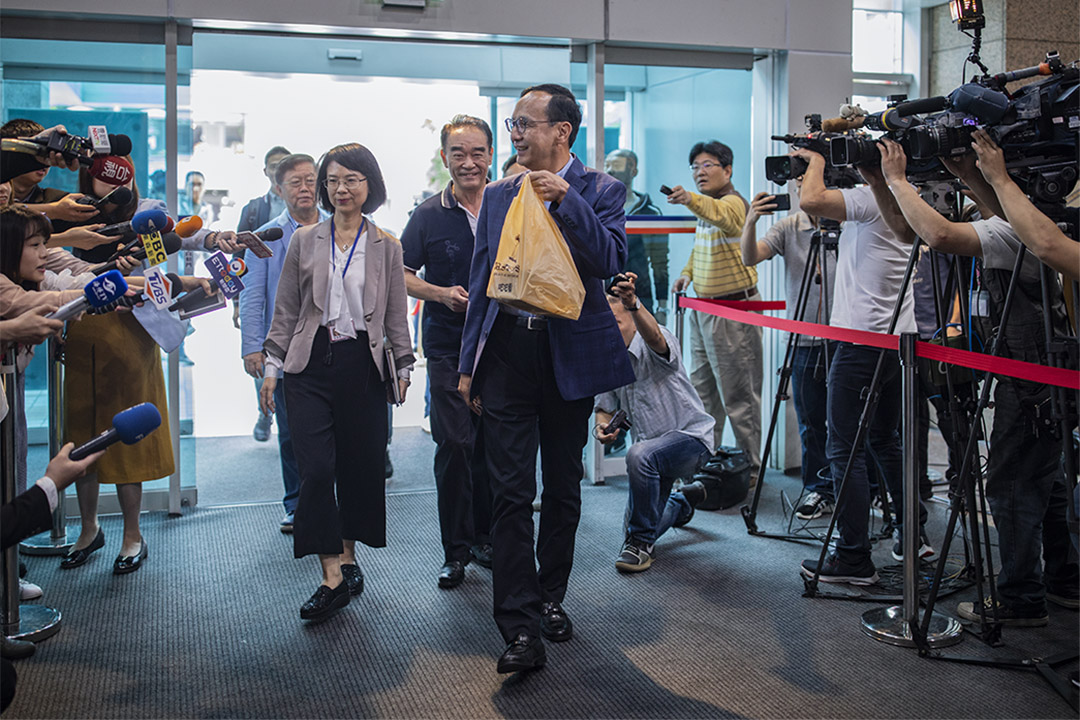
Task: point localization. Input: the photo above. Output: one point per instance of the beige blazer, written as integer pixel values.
(302, 289)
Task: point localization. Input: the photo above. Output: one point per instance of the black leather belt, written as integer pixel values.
(740, 295)
(529, 322)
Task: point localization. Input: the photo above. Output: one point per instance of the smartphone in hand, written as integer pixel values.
(783, 202)
(666, 190)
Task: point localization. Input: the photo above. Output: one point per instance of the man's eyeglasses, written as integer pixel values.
(297, 183)
(707, 165)
(351, 183)
(522, 123)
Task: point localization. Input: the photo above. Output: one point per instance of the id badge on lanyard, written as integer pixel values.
(336, 336)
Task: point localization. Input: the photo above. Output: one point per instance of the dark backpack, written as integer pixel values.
(726, 477)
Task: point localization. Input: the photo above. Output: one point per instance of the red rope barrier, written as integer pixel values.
(730, 309)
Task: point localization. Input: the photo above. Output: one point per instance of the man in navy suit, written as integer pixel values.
(533, 378)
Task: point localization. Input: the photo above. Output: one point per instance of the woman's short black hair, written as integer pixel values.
(717, 149)
(17, 225)
(354, 156)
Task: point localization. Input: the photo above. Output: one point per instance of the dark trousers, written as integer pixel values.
(460, 469)
(523, 409)
(290, 475)
(808, 390)
(936, 395)
(337, 416)
(850, 374)
(1026, 491)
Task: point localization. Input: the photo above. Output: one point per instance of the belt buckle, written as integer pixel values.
(534, 323)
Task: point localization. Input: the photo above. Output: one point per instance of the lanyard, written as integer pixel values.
(333, 246)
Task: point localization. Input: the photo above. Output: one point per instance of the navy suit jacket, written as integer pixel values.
(588, 354)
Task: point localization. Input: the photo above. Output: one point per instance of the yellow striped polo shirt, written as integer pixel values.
(715, 265)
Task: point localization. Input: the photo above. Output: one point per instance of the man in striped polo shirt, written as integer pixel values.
(725, 356)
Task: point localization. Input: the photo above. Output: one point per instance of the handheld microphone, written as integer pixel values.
(129, 427)
(72, 147)
(256, 242)
(100, 291)
(143, 223)
(172, 244)
(188, 226)
(119, 196)
(175, 288)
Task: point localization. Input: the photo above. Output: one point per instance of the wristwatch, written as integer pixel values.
(637, 305)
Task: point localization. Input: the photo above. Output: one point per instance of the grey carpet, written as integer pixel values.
(717, 628)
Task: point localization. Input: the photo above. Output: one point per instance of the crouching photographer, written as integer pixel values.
(1025, 484)
(672, 431)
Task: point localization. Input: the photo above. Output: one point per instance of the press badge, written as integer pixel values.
(335, 336)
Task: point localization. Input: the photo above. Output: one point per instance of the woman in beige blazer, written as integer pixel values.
(340, 300)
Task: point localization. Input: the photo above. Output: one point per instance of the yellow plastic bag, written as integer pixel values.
(533, 269)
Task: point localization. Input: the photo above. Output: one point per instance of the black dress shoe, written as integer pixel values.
(129, 564)
(15, 649)
(354, 578)
(451, 574)
(75, 558)
(523, 653)
(325, 602)
(481, 554)
(554, 623)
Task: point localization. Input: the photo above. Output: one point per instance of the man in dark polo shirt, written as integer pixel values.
(439, 238)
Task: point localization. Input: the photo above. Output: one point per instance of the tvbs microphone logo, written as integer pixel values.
(158, 287)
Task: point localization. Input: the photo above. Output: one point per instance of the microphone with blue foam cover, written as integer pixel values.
(129, 427)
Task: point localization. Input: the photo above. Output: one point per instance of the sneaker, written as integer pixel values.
(29, 591)
(814, 506)
(261, 433)
(1068, 597)
(287, 523)
(695, 494)
(925, 548)
(835, 571)
(636, 556)
(425, 424)
(1005, 614)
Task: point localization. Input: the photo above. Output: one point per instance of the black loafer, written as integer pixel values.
(129, 564)
(481, 554)
(75, 558)
(523, 653)
(354, 578)
(325, 602)
(554, 623)
(451, 574)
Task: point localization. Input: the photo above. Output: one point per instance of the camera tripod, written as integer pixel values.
(824, 240)
(1062, 352)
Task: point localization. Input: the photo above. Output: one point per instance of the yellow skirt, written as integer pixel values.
(112, 363)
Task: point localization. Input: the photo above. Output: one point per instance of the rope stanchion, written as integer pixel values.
(1018, 369)
(59, 539)
(20, 622)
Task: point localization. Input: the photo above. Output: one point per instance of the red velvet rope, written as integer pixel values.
(740, 311)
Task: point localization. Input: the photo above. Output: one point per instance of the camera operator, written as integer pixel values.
(791, 238)
(870, 268)
(672, 431)
(1038, 232)
(1025, 485)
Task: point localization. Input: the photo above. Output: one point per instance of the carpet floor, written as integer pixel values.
(718, 627)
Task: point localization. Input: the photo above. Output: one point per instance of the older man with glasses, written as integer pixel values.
(534, 378)
(294, 179)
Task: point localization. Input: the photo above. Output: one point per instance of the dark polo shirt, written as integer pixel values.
(438, 239)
